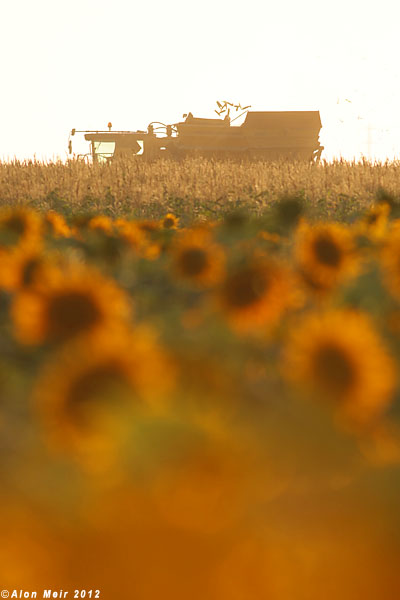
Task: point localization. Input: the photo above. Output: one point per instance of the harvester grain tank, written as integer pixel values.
(291, 135)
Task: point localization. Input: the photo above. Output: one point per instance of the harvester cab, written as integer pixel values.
(267, 135)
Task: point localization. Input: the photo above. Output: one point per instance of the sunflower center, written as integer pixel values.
(327, 252)
(246, 287)
(15, 224)
(372, 218)
(168, 223)
(29, 271)
(69, 313)
(334, 371)
(97, 387)
(13, 228)
(193, 261)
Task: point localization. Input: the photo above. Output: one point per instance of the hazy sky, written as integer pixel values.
(82, 63)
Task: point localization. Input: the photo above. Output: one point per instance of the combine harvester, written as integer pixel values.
(288, 135)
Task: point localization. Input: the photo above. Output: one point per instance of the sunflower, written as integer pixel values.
(375, 223)
(256, 293)
(101, 223)
(340, 357)
(56, 225)
(148, 227)
(93, 382)
(197, 258)
(20, 235)
(325, 254)
(170, 221)
(390, 261)
(71, 301)
(203, 487)
(81, 221)
(273, 238)
(19, 227)
(135, 237)
(382, 447)
(24, 269)
(203, 494)
(129, 232)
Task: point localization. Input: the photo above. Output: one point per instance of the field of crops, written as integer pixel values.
(199, 380)
(194, 188)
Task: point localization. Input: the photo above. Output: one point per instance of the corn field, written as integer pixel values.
(194, 188)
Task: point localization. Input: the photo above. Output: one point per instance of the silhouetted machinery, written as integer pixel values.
(291, 135)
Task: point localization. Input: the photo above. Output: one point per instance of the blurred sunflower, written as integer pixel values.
(101, 223)
(257, 293)
(205, 487)
(56, 225)
(72, 301)
(20, 237)
(89, 388)
(19, 227)
(81, 221)
(390, 261)
(392, 321)
(382, 447)
(197, 258)
(207, 383)
(274, 238)
(375, 223)
(148, 227)
(170, 221)
(130, 233)
(136, 238)
(339, 356)
(24, 269)
(325, 254)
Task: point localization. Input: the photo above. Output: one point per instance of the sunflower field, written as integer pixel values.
(205, 410)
